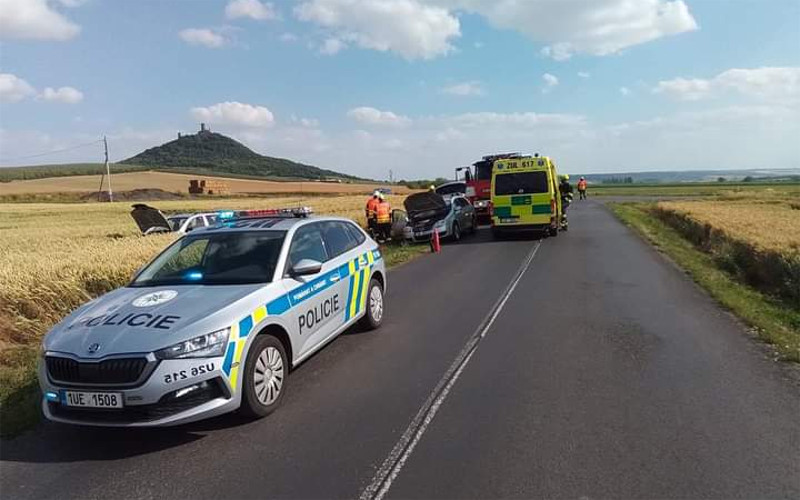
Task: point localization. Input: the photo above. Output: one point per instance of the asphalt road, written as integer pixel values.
(582, 366)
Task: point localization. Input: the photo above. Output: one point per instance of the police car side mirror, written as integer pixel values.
(306, 267)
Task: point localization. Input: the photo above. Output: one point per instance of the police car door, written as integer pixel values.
(316, 300)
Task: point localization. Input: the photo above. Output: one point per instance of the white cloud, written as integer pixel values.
(305, 122)
(288, 37)
(550, 81)
(526, 120)
(406, 27)
(250, 8)
(35, 20)
(331, 46)
(584, 74)
(596, 27)
(202, 36)
(234, 114)
(472, 88)
(624, 91)
(67, 95)
(14, 88)
(684, 89)
(371, 116)
(768, 84)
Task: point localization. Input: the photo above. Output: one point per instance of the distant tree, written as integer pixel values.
(721, 179)
(628, 180)
(749, 178)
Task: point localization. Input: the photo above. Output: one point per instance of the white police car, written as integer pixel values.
(214, 323)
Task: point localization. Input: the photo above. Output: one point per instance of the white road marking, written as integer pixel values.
(394, 462)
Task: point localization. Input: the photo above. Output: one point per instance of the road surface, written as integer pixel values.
(582, 366)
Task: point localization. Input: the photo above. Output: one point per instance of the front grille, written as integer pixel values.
(119, 371)
(166, 406)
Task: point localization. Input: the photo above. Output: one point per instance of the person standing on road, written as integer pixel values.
(565, 190)
(582, 188)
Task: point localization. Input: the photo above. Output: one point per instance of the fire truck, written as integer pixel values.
(478, 180)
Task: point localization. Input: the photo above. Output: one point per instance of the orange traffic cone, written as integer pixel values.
(436, 246)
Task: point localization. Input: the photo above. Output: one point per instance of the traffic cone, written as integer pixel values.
(436, 247)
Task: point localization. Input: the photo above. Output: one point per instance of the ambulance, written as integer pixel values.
(525, 195)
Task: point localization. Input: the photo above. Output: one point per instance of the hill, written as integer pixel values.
(208, 152)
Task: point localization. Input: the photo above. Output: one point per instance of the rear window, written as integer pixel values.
(483, 170)
(520, 183)
(451, 189)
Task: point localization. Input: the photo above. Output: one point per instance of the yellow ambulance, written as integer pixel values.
(525, 195)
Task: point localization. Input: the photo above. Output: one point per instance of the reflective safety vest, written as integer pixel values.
(372, 207)
(581, 185)
(384, 211)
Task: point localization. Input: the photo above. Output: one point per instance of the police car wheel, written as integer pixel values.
(265, 375)
(373, 317)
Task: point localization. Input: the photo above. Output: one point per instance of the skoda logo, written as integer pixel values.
(93, 348)
(155, 298)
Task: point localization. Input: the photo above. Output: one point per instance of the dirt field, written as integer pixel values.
(176, 182)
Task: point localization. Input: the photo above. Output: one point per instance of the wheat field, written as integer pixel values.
(772, 225)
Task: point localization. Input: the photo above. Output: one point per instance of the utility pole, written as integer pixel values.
(108, 170)
(391, 176)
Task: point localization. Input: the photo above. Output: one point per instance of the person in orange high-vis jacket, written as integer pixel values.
(383, 217)
(582, 188)
(372, 212)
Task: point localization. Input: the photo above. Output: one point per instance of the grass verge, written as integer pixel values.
(773, 321)
(19, 389)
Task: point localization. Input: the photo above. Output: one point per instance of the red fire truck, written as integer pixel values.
(478, 180)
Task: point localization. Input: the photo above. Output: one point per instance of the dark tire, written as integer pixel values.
(474, 224)
(552, 231)
(456, 232)
(375, 306)
(264, 375)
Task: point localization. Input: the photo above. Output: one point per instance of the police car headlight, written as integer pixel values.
(209, 345)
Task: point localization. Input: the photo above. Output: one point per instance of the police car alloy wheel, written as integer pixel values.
(266, 371)
(373, 317)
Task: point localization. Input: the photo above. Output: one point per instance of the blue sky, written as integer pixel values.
(416, 86)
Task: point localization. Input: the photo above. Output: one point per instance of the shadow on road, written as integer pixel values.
(55, 443)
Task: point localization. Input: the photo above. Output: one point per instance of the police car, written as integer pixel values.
(214, 323)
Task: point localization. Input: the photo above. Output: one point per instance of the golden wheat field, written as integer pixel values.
(53, 257)
(767, 224)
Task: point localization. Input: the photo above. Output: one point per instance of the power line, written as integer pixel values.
(55, 151)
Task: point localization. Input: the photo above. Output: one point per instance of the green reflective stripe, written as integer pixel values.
(502, 211)
(540, 209)
(520, 200)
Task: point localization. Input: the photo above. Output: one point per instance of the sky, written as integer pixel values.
(417, 87)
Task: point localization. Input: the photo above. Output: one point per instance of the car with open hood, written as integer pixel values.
(151, 220)
(214, 323)
(451, 216)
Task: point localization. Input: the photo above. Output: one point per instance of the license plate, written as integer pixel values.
(92, 399)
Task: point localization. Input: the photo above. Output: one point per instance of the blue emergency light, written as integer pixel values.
(194, 275)
(226, 214)
(51, 396)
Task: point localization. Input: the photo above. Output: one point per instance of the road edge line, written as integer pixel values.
(394, 462)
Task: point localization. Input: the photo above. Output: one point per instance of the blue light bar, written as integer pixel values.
(194, 276)
(226, 214)
(51, 396)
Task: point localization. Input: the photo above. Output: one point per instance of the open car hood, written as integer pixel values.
(426, 205)
(150, 220)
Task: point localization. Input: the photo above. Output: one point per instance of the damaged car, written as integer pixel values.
(450, 216)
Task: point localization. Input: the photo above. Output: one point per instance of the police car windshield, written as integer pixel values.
(215, 259)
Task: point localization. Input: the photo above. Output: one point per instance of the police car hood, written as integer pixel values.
(426, 206)
(137, 320)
